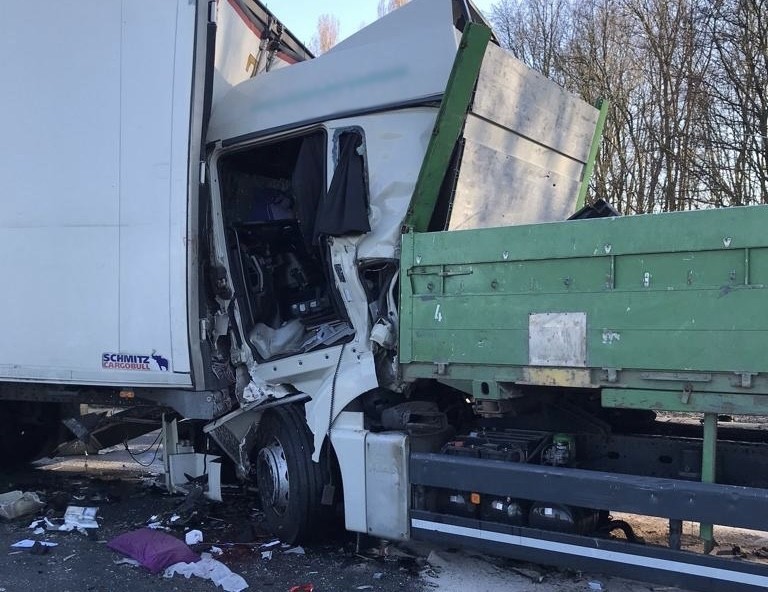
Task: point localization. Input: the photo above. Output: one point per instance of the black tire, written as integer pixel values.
(290, 484)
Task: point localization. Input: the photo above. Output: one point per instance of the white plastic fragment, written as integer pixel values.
(193, 536)
(209, 568)
(127, 561)
(28, 543)
(216, 551)
(295, 551)
(596, 586)
(16, 503)
(266, 555)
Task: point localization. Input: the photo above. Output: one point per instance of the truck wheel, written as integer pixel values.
(290, 484)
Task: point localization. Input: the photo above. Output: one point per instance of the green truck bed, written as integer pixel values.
(661, 311)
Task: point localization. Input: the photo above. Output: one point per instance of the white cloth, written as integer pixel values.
(208, 568)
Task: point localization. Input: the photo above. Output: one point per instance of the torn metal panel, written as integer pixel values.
(527, 142)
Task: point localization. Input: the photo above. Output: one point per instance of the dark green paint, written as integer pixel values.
(699, 309)
(448, 126)
(589, 166)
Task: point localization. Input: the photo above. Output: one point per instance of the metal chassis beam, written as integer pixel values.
(710, 503)
(643, 562)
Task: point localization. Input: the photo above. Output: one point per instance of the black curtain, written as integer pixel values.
(308, 183)
(344, 209)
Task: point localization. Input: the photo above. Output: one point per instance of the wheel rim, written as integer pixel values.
(272, 472)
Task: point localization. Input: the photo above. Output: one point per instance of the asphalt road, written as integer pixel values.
(122, 491)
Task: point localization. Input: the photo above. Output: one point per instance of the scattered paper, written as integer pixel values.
(28, 543)
(80, 517)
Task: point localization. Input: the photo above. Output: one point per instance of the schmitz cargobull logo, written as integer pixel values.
(143, 363)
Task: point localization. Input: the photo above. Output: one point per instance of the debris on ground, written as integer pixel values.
(295, 551)
(29, 543)
(153, 549)
(193, 537)
(435, 560)
(78, 517)
(536, 576)
(127, 561)
(14, 504)
(208, 568)
(302, 588)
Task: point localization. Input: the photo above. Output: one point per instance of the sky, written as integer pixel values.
(300, 16)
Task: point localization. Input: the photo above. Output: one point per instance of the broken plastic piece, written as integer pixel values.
(295, 551)
(303, 588)
(29, 543)
(16, 503)
(193, 536)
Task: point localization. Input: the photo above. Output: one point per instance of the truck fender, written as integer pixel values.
(355, 374)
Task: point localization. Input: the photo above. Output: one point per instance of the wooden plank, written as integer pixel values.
(533, 106)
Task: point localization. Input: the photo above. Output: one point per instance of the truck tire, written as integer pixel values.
(290, 484)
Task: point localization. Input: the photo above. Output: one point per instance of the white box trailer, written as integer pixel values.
(103, 108)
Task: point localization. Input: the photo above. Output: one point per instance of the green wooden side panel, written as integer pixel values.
(738, 404)
(682, 292)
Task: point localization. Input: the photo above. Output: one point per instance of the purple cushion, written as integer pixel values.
(154, 549)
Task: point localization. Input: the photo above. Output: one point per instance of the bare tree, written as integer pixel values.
(387, 6)
(736, 163)
(327, 34)
(688, 85)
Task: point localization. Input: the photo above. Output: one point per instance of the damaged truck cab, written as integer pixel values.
(358, 277)
(311, 172)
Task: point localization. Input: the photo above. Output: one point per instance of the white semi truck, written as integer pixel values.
(197, 215)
